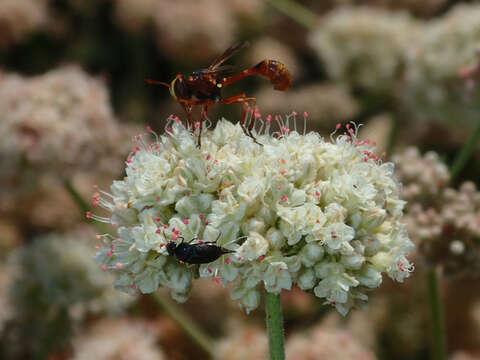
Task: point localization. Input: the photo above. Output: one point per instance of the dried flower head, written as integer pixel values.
(324, 343)
(60, 120)
(364, 46)
(443, 222)
(424, 177)
(18, 19)
(120, 339)
(297, 210)
(243, 342)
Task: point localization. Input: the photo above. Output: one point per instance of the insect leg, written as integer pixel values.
(202, 118)
(251, 125)
(188, 110)
(216, 240)
(241, 99)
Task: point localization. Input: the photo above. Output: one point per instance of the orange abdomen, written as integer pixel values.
(276, 72)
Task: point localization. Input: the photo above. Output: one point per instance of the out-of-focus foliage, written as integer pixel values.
(53, 286)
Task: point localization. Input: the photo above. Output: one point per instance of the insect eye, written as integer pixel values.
(180, 89)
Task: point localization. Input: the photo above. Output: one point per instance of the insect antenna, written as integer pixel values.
(155, 82)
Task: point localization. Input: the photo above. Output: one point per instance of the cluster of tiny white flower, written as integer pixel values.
(364, 46)
(434, 62)
(297, 210)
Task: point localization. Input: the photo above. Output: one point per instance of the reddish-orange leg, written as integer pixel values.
(187, 105)
(188, 110)
(202, 118)
(241, 98)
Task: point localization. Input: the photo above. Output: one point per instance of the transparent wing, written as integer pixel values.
(227, 54)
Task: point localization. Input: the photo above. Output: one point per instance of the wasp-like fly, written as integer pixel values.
(200, 253)
(203, 87)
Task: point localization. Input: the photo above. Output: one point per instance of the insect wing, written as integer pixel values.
(216, 70)
(232, 50)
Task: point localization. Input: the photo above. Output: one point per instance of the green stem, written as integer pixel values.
(82, 204)
(465, 152)
(186, 323)
(274, 317)
(296, 12)
(439, 351)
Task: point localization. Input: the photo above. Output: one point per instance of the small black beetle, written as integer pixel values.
(203, 253)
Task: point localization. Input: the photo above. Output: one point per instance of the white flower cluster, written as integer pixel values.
(364, 46)
(297, 210)
(443, 48)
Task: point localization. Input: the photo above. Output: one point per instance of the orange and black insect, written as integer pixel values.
(204, 87)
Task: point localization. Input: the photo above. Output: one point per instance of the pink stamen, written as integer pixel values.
(227, 260)
(118, 265)
(185, 221)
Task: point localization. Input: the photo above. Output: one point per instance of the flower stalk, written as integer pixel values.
(187, 324)
(437, 317)
(465, 153)
(274, 319)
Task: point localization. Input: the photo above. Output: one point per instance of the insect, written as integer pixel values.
(204, 87)
(203, 253)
